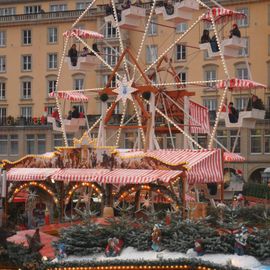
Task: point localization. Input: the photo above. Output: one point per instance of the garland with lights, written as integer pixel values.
(183, 263)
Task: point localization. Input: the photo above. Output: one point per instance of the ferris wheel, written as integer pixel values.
(151, 91)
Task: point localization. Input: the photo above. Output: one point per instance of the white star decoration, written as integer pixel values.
(124, 90)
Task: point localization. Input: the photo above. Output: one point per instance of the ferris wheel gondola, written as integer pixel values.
(83, 61)
(178, 12)
(228, 46)
(70, 124)
(248, 117)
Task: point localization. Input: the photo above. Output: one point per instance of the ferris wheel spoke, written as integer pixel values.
(144, 36)
(120, 37)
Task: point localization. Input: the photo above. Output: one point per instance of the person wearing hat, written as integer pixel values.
(198, 247)
(235, 31)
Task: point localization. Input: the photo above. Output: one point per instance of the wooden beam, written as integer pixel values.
(109, 113)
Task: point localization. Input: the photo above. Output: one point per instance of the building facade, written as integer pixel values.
(31, 49)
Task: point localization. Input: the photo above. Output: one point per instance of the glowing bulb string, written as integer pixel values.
(221, 53)
(173, 44)
(120, 36)
(144, 36)
(176, 126)
(56, 90)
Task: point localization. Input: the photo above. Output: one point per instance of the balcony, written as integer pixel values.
(47, 16)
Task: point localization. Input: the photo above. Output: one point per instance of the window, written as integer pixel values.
(182, 76)
(7, 11)
(30, 144)
(51, 85)
(202, 140)
(52, 60)
(111, 55)
(3, 115)
(129, 140)
(26, 62)
(181, 52)
(255, 141)
(70, 138)
(211, 104)
(222, 136)
(78, 83)
(210, 75)
(152, 30)
(241, 71)
(57, 140)
(181, 27)
(41, 143)
(26, 112)
(105, 79)
(244, 51)
(241, 103)
(14, 145)
(32, 9)
(60, 7)
(3, 145)
(267, 141)
(151, 53)
(26, 89)
(110, 31)
(171, 141)
(2, 63)
(244, 21)
(233, 137)
(3, 38)
(49, 109)
(52, 35)
(26, 37)
(2, 90)
(82, 5)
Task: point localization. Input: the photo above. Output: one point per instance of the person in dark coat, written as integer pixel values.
(75, 112)
(255, 103)
(235, 31)
(214, 44)
(233, 113)
(73, 55)
(205, 38)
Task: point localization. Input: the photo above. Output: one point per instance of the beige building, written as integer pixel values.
(32, 46)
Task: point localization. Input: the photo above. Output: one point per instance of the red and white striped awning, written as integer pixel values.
(83, 34)
(30, 174)
(136, 176)
(204, 166)
(70, 95)
(220, 14)
(239, 84)
(199, 121)
(79, 175)
(117, 176)
(232, 157)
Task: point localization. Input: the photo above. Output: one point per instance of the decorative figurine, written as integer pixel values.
(114, 247)
(241, 241)
(156, 238)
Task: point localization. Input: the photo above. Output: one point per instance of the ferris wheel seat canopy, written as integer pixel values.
(70, 95)
(83, 34)
(239, 84)
(220, 14)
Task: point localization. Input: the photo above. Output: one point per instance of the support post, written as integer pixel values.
(102, 130)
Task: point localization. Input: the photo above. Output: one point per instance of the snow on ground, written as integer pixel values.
(129, 253)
